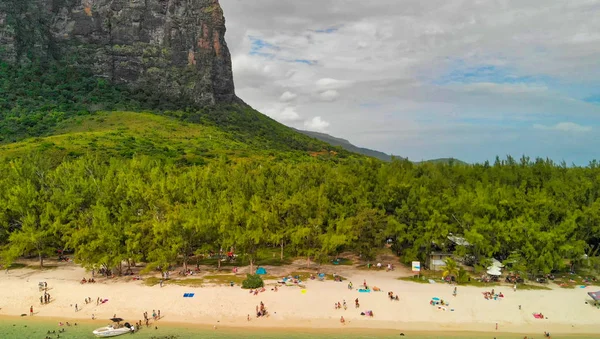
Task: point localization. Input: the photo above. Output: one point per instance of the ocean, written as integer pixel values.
(26, 328)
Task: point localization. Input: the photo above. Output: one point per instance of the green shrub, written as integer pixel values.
(253, 281)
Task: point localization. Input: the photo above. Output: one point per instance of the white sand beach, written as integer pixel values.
(566, 309)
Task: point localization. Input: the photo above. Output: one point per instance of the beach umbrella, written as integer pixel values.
(494, 272)
(116, 319)
(435, 299)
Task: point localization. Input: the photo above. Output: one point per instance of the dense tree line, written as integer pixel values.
(108, 212)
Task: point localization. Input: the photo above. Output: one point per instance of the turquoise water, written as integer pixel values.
(28, 329)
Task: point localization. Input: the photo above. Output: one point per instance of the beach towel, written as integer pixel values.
(188, 295)
(538, 316)
(362, 290)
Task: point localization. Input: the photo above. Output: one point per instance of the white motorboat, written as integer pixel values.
(113, 330)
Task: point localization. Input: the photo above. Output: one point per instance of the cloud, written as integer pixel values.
(329, 95)
(426, 79)
(283, 114)
(329, 84)
(564, 127)
(316, 124)
(287, 96)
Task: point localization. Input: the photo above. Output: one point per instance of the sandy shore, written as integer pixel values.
(566, 309)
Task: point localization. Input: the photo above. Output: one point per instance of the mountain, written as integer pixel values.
(175, 50)
(69, 62)
(345, 144)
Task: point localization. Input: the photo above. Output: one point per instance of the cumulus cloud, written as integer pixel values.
(283, 114)
(331, 84)
(428, 78)
(564, 127)
(329, 95)
(316, 124)
(287, 96)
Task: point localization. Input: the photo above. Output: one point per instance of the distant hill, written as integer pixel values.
(443, 161)
(345, 144)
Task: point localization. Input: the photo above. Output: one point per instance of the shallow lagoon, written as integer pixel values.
(21, 328)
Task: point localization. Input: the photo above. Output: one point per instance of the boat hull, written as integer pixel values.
(106, 332)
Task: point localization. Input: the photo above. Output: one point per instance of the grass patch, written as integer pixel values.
(194, 282)
(305, 276)
(224, 279)
(416, 279)
(573, 281)
(532, 287)
(46, 267)
(16, 266)
(437, 277)
(342, 262)
(476, 283)
(151, 281)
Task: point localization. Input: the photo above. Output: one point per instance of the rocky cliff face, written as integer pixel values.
(170, 48)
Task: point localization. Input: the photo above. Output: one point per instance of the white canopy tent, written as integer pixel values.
(494, 271)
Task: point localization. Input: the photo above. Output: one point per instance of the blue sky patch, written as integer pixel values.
(328, 30)
(594, 99)
(307, 62)
(461, 73)
(261, 47)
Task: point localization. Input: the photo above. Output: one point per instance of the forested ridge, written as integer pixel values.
(108, 211)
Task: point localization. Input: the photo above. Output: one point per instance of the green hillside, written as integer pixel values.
(39, 100)
(125, 134)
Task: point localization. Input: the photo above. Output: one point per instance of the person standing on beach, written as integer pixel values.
(515, 287)
(31, 310)
(76, 309)
(158, 315)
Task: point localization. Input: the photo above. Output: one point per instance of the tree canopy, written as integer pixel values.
(539, 215)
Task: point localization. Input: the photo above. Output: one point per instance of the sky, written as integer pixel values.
(468, 79)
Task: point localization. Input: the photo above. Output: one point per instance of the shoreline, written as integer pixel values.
(412, 330)
(296, 311)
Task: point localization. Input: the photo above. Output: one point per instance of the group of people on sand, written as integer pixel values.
(85, 281)
(492, 295)
(392, 296)
(155, 317)
(261, 311)
(45, 299)
(338, 305)
(258, 290)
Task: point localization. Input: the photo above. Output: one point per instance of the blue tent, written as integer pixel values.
(261, 271)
